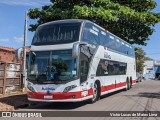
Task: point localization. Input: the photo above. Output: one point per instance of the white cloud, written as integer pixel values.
(35, 3)
(4, 40)
(19, 39)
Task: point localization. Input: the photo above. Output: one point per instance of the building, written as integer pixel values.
(7, 54)
(151, 69)
(157, 69)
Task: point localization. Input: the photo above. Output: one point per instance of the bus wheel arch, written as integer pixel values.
(99, 88)
(96, 91)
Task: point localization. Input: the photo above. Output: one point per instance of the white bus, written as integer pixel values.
(75, 60)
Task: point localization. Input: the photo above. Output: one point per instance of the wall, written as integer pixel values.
(7, 56)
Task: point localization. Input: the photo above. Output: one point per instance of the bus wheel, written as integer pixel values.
(95, 93)
(130, 83)
(127, 85)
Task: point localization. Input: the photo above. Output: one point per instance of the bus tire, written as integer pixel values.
(96, 92)
(127, 85)
(131, 82)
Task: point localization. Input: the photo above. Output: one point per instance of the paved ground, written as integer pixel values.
(144, 96)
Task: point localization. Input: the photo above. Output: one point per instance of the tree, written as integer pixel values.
(141, 57)
(148, 59)
(132, 20)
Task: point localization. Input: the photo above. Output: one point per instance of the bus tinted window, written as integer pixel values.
(108, 67)
(127, 49)
(118, 44)
(122, 68)
(90, 34)
(102, 69)
(96, 35)
(114, 43)
(103, 39)
(57, 34)
(124, 48)
(111, 43)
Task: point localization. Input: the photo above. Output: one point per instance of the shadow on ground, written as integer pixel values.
(15, 101)
(57, 105)
(147, 95)
(21, 101)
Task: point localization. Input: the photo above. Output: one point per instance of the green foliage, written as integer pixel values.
(148, 59)
(140, 56)
(132, 20)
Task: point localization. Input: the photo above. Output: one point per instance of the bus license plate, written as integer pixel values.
(48, 97)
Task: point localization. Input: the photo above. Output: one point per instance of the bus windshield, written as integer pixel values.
(57, 33)
(52, 66)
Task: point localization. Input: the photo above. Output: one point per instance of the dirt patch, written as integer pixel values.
(10, 103)
(5, 107)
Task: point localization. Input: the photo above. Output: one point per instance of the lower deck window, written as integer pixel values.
(108, 67)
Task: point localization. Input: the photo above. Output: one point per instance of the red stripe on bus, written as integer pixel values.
(69, 95)
(120, 84)
(133, 81)
(113, 86)
(56, 95)
(60, 95)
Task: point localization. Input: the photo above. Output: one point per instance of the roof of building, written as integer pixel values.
(7, 49)
(12, 49)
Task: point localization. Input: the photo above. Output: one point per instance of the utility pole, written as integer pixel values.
(24, 49)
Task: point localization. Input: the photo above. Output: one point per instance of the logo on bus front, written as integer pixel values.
(48, 88)
(106, 55)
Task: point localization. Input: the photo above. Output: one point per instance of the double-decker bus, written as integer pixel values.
(75, 60)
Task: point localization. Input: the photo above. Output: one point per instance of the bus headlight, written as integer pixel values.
(29, 86)
(69, 88)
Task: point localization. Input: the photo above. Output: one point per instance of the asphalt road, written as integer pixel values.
(144, 96)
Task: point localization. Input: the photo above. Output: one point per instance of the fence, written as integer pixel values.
(10, 77)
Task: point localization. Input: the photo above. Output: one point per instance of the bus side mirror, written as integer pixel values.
(75, 50)
(18, 53)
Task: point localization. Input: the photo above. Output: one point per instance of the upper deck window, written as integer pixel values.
(98, 36)
(90, 34)
(59, 33)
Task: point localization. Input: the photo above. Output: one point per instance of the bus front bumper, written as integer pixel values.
(60, 96)
(64, 100)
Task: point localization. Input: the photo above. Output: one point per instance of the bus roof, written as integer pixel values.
(83, 21)
(64, 21)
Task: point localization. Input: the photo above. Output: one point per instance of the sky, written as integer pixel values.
(12, 14)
